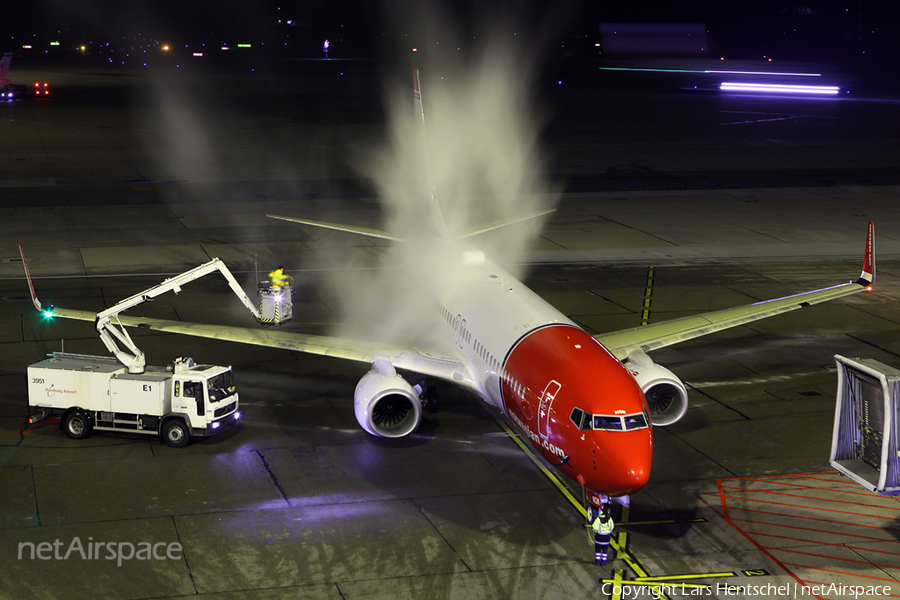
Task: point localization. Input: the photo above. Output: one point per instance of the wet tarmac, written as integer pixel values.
(298, 501)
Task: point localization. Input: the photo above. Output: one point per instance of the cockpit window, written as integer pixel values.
(581, 419)
(585, 421)
(607, 423)
(635, 421)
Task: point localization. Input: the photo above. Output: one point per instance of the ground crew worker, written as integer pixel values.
(279, 279)
(603, 527)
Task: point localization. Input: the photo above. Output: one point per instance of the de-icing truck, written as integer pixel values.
(98, 393)
(123, 394)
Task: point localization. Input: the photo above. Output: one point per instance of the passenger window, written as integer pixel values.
(177, 388)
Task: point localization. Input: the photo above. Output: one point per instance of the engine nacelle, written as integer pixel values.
(386, 405)
(666, 395)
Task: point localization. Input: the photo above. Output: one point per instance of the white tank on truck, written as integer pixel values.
(123, 393)
(98, 393)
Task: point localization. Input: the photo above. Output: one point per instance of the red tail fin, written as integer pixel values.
(868, 271)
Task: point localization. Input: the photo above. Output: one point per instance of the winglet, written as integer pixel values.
(868, 271)
(34, 298)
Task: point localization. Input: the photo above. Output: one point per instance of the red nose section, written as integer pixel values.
(627, 458)
(559, 375)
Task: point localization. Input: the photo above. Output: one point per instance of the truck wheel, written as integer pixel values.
(175, 433)
(77, 425)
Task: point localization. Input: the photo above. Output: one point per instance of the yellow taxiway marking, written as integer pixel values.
(619, 542)
(553, 478)
(664, 578)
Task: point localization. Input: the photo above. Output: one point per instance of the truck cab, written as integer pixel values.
(206, 396)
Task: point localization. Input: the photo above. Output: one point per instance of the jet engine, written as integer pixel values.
(665, 393)
(386, 405)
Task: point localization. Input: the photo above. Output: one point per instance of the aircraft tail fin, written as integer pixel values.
(434, 207)
(867, 276)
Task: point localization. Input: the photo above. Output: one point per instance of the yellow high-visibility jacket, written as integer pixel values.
(603, 527)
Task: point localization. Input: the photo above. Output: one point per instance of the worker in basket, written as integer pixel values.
(278, 279)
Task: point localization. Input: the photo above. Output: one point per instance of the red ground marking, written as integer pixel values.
(795, 539)
(852, 560)
(777, 493)
(853, 492)
(817, 494)
(766, 512)
(842, 512)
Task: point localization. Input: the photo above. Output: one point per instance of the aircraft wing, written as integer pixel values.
(437, 365)
(658, 335)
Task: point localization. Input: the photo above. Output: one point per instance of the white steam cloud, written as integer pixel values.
(482, 155)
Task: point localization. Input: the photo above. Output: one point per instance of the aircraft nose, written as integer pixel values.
(628, 469)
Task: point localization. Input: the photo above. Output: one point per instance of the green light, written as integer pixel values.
(54, 43)
(48, 314)
(244, 46)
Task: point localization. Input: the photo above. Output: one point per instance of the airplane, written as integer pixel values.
(9, 90)
(586, 403)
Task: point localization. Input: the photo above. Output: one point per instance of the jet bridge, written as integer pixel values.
(866, 436)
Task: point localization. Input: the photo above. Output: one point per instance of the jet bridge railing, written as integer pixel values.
(866, 434)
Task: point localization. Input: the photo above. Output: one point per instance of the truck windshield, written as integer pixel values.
(221, 386)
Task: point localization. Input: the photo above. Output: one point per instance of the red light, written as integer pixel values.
(869, 288)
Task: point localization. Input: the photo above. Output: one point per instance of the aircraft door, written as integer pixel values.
(547, 397)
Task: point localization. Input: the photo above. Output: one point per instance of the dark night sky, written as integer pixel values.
(794, 30)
